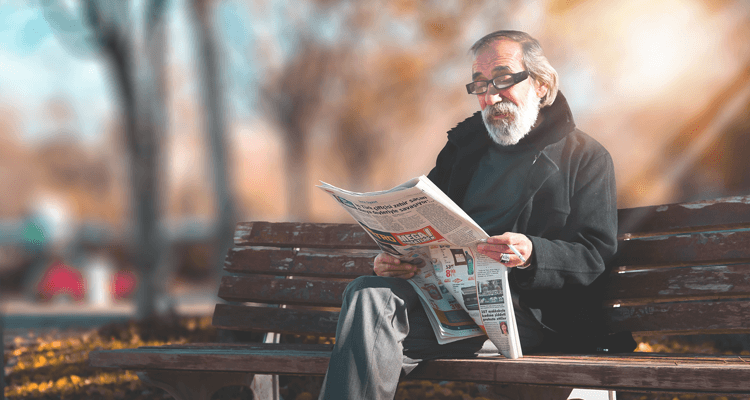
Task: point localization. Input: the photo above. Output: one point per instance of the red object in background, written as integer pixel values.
(61, 279)
(123, 284)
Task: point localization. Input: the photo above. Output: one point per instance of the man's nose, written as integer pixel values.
(492, 96)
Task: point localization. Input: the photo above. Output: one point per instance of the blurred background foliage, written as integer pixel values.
(142, 130)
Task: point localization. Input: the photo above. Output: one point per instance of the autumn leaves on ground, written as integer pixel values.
(55, 366)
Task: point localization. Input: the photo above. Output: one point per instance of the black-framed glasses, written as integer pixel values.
(500, 82)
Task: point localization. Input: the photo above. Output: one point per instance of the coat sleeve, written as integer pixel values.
(578, 253)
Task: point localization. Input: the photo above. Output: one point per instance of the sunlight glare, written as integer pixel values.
(663, 43)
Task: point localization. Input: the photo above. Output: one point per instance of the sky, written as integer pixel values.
(37, 66)
(34, 68)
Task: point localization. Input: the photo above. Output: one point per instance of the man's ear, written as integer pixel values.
(541, 90)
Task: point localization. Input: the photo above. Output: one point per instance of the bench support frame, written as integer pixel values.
(200, 385)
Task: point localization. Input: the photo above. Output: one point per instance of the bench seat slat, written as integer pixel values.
(635, 372)
(302, 263)
(268, 289)
(298, 234)
(695, 317)
(666, 285)
(665, 251)
(663, 318)
(706, 215)
(637, 288)
(689, 249)
(274, 319)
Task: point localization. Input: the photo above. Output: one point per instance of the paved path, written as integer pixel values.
(22, 317)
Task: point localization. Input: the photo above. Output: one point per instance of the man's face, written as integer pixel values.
(508, 113)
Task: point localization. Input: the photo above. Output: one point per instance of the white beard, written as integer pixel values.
(509, 131)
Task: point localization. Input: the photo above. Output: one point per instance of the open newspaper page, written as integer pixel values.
(465, 294)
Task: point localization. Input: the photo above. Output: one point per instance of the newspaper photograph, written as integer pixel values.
(464, 293)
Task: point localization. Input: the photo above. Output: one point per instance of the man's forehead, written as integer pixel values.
(501, 55)
(500, 69)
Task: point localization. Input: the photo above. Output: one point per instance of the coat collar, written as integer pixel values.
(472, 141)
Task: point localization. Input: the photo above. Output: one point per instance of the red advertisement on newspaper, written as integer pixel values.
(421, 236)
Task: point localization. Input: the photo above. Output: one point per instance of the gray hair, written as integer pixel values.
(533, 59)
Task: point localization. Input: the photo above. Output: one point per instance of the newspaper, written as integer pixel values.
(464, 293)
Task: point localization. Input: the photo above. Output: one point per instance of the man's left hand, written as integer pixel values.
(497, 246)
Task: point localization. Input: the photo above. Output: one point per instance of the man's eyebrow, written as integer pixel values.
(501, 68)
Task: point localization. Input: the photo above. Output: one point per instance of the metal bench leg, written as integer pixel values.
(266, 387)
(196, 385)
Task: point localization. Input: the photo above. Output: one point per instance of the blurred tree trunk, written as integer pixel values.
(295, 167)
(215, 123)
(138, 70)
(153, 245)
(2, 349)
(141, 80)
(292, 96)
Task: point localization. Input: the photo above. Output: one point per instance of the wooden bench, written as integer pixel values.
(681, 269)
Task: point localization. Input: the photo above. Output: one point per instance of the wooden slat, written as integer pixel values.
(272, 319)
(698, 317)
(298, 234)
(631, 372)
(682, 250)
(729, 212)
(266, 289)
(305, 262)
(308, 360)
(689, 283)
(622, 373)
(290, 347)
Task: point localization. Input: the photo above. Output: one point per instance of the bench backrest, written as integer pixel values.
(680, 269)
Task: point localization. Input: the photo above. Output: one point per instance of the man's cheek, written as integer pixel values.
(482, 102)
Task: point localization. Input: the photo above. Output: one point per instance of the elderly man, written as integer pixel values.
(523, 171)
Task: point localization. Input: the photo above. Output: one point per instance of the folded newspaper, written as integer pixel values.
(464, 293)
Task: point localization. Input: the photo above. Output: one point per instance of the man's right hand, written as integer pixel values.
(388, 265)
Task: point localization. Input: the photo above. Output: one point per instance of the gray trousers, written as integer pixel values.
(382, 332)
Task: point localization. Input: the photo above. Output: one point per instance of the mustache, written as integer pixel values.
(504, 107)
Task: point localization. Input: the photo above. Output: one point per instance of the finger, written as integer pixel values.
(505, 238)
(486, 248)
(413, 261)
(404, 276)
(494, 248)
(516, 239)
(392, 270)
(397, 272)
(513, 260)
(385, 258)
(386, 262)
(521, 242)
(400, 267)
(405, 268)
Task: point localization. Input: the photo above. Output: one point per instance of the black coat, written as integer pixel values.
(569, 213)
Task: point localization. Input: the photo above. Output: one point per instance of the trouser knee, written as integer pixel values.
(364, 286)
(378, 288)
